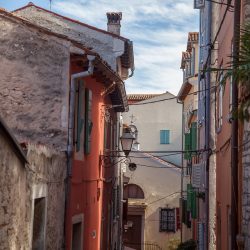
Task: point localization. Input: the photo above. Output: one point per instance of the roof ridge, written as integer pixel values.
(30, 4)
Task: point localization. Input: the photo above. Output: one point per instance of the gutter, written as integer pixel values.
(70, 146)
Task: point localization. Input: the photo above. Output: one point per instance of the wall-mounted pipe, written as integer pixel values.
(70, 146)
(74, 77)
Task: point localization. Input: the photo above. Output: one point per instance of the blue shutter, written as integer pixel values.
(164, 136)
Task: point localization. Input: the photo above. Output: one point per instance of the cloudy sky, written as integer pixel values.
(158, 29)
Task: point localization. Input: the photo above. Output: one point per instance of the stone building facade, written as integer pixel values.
(30, 212)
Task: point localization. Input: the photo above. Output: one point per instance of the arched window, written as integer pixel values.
(133, 191)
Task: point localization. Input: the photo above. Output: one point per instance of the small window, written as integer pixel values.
(167, 220)
(164, 136)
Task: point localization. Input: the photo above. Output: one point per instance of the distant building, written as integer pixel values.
(159, 123)
(189, 66)
(153, 192)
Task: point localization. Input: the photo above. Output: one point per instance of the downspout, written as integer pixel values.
(234, 144)
(182, 161)
(70, 146)
(207, 119)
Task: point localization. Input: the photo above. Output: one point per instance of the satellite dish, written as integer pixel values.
(132, 166)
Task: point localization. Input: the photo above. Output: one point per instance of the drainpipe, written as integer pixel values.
(70, 145)
(234, 144)
(207, 117)
(182, 161)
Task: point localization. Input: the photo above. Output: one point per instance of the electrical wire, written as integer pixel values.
(178, 192)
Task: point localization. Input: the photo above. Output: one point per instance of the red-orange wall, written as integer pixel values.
(223, 146)
(86, 184)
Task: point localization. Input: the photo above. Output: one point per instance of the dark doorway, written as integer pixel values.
(132, 234)
(77, 236)
(38, 239)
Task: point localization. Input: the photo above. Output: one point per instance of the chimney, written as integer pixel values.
(114, 22)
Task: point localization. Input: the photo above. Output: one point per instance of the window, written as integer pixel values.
(193, 62)
(39, 224)
(164, 136)
(133, 191)
(167, 220)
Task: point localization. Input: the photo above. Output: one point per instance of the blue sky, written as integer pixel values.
(158, 29)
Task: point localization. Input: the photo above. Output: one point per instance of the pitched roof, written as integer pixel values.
(98, 62)
(30, 4)
(127, 59)
(141, 97)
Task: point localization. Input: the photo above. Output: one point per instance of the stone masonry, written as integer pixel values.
(246, 188)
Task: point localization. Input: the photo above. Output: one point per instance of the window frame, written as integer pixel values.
(166, 225)
(166, 138)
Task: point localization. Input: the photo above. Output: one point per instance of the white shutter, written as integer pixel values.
(198, 175)
(199, 4)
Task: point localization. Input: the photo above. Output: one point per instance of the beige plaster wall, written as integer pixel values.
(161, 187)
(151, 118)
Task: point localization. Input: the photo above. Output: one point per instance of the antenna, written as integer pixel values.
(50, 2)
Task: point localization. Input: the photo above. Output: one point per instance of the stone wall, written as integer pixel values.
(246, 187)
(18, 185)
(34, 82)
(48, 167)
(14, 199)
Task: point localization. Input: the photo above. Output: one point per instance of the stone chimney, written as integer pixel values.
(114, 22)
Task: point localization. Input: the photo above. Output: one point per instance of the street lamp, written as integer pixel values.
(127, 139)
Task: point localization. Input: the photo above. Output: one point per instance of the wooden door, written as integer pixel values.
(132, 236)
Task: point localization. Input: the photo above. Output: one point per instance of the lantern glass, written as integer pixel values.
(127, 139)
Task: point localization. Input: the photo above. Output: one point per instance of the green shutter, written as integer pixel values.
(88, 120)
(191, 201)
(193, 204)
(189, 194)
(80, 113)
(194, 136)
(187, 155)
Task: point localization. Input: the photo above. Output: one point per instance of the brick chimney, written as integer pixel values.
(114, 22)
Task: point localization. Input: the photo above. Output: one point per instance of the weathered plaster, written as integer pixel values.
(20, 184)
(106, 45)
(34, 84)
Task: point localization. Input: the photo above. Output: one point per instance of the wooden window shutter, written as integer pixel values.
(193, 204)
(164, 137)
(194, 136)
(178, 222)
(191, 201)
(187, 155)
(88, 120)
(189, 195)
(80, 115)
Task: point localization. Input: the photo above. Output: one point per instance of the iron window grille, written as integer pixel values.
(167, 220)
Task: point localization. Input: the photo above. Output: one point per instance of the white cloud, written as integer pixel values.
(158, 29)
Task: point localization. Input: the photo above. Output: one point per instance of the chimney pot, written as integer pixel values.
(114, 22)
